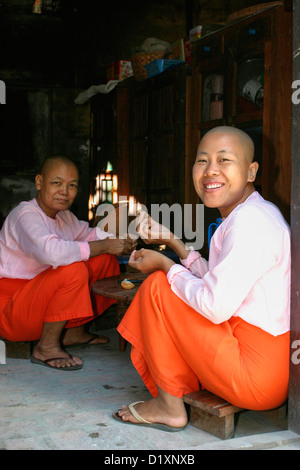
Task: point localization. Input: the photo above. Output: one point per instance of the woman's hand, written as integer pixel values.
(152, 232)
(148, 261)
(120, 246)
(113, 246)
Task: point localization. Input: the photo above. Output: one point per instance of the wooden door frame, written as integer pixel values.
(294, 387)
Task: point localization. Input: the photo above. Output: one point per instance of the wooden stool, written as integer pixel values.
(211, 413)
(18, 349)
(111, 287)
(216, 416)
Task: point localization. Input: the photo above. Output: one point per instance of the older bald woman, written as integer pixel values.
(48, 262)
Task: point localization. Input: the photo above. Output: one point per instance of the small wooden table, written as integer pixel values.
(111, 287)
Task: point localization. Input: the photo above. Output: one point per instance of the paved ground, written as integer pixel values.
(45, 409)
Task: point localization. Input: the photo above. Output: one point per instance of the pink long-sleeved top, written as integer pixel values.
(248, 272)
(31, 242)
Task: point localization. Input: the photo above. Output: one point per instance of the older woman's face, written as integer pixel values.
(57, 187)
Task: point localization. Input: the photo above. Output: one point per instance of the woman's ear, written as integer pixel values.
(253, 168)
(38, 182)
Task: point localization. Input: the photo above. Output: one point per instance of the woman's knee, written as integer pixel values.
(155, 284)
(159, 278)
(104, 265)
(75, 272)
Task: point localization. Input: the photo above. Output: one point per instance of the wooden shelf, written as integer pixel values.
(267, 37)
(248, 117)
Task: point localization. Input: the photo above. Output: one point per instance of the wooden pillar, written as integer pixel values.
(189, 8)
(294, 390)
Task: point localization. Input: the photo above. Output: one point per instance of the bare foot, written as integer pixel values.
(63, 358)
(78, 335)
(156, 411)
(85, 338)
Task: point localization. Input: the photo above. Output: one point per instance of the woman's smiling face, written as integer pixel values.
(223, 172)
(57, 187)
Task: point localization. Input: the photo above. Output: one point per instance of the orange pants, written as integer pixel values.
(61, 294)
(179, 350)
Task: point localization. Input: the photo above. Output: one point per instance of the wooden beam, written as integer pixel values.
(294, 389)
(189, 9)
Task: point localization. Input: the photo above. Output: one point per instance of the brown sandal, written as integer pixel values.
(45, 363)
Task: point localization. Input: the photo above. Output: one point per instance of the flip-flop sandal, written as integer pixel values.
(45, 363)
(144, 422)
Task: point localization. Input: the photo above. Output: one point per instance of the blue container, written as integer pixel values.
(160, 65)
(212, 228)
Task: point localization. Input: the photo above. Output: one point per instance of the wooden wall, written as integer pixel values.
(294, 395)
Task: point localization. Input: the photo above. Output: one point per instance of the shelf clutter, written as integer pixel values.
(160, 65)
(155, 56)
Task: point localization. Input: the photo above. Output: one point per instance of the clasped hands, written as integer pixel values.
(151, 232)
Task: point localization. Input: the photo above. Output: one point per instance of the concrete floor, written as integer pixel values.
(45, 409)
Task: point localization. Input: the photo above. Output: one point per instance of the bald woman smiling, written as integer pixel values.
(222, 324)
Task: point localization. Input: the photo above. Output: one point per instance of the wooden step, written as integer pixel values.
(18, 349)
(211, 413)
(215, 415)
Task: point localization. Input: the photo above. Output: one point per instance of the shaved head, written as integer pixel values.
(53, 160)
(244, 140)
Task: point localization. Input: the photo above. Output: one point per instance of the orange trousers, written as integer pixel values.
(61, 294)
(179, 350)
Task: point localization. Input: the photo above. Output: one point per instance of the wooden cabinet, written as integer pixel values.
(142, 129)
(159, 144)
(150, 130)
(251, 57)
